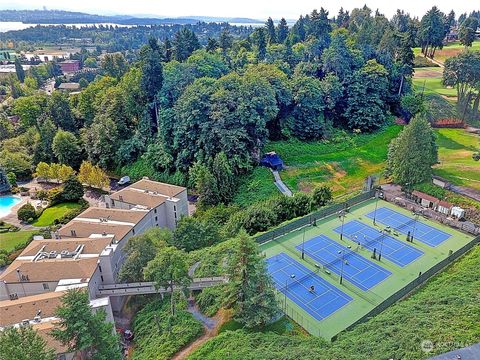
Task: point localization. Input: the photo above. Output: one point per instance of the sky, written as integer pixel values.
(257, 9)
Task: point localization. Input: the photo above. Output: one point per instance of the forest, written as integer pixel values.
(200, 114)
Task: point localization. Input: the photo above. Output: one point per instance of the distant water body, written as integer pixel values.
(13, 25)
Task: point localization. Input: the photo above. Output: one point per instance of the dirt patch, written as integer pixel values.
(221, 317)
(335, 170)
(420, 73)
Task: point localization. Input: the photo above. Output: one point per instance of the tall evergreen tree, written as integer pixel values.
(271, 34)
(467, 32)
(282, 30)
(250, 287)
(261, 44)
(19, 70)
(225, 41)
(152, 78)
(342, 18)
(185, 43)
(412, 154)
(212, 45)
(167, 50)
(222, 171)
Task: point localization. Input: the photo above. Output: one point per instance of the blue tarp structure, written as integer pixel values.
(272, 161)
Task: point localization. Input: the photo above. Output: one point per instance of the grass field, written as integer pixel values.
(450, 50)
(455, 149)
(363, 301)
(343, 164)
(8, 241)
(429, 81)
(55, 212)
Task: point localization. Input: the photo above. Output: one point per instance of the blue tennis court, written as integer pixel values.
(320, 303)
(361, 272)
(405, 224)
(394, 250)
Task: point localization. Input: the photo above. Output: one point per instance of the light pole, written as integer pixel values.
(381, 246)
(303, 243)
(286, 290)
(342, 216)
(415, 217)
(377, 195)
(343, 260)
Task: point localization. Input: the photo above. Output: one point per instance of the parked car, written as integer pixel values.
(124, 180)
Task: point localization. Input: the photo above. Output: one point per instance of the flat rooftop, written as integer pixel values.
(94, 229)
(90, 245)
(15, 311)
(133, 216)
(50, 270)
(155, 186)
(139, 197)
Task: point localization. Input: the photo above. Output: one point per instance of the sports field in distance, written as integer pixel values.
(311, 286)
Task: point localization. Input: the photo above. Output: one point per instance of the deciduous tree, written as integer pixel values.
(85, 331)
(23, 343)
(168, 269)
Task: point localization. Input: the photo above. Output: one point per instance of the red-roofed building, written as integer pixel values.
(425, 199)
(444, 207)
(69, 66)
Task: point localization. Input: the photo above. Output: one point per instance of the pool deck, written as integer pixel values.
(11, 218)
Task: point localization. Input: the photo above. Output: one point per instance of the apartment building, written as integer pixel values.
(167, 203)
(47, 264)
(38, 311)
(85, 253)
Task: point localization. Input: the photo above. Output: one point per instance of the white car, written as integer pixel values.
(124, 180)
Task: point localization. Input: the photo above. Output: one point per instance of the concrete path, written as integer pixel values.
(280, 184)
(467, 353)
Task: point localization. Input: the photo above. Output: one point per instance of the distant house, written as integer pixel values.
(69, 87)
(69, 66)
(272, 161)
(425, 199)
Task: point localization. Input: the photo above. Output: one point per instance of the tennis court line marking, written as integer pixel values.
(327, 243)
(423, 231)
(325, 286)
(365, 230)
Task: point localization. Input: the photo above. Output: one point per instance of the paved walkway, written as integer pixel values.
(467, 353)
(280, 184)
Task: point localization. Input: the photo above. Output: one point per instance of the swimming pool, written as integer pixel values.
(6, 203)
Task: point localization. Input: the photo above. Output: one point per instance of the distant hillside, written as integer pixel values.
(69, 17)
(55, 17)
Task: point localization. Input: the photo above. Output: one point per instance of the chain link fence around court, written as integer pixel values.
(313, 217)
(311, 325)
(421, 279)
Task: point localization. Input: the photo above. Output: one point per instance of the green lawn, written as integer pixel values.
(55, 212)
(343, 164)
(434, 86)
(8, 241)
(455, 149)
